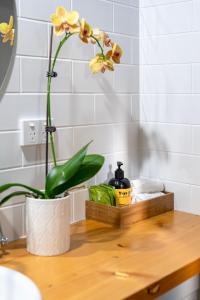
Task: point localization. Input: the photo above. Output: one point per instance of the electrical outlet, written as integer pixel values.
(33, 132)
(29, 132)
(42, 131)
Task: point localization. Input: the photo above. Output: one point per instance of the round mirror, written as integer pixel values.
(8, 19)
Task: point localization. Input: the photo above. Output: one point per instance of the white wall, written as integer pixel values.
(170, 97)
(170, 105)
(85, 107)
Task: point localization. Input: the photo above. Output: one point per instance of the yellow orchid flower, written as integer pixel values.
(102, 37)
(101, 63)
(65, 21)
(115, 53)
(85, 31)
(68, 22)
(7, 31)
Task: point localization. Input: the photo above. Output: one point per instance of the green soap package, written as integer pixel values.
(102, 193)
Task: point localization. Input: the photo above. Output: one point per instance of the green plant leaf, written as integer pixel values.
(7, 186)
(89, 168)
(19, 193)
(59, 175)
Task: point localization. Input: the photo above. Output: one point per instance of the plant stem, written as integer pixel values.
(102, 52)
(67, 36)
(49, 95)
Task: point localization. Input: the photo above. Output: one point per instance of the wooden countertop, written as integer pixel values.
(141, 262)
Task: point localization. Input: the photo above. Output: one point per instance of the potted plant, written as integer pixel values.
(47, 211)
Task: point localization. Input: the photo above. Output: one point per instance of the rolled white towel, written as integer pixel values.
(146, 196)
(141, 186)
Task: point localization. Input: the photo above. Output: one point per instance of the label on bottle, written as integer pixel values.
(123, 196)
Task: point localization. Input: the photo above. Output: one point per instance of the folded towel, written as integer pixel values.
(146, 196)
(147, 186)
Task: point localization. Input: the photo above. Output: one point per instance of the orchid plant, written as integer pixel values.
(81, 167)
(67, 23)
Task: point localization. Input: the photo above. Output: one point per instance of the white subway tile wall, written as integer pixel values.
(170, 94)
(169, 111)
(34, 80)
(84, 106)
(98, 13)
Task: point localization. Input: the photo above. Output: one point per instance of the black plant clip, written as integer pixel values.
(50, 129)
(52, 74)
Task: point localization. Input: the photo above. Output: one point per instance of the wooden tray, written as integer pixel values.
(124, 216)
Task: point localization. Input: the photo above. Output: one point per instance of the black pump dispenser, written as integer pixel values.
(122, 186)
(119, 173)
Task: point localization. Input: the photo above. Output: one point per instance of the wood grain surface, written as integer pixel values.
(141, 262)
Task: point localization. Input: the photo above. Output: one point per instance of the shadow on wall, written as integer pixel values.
(106, 86)
(152, 152)
(125, 133)
(133, 138)
(110, 174)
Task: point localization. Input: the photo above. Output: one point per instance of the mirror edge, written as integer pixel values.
(12, 59)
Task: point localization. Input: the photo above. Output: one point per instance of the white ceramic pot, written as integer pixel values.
(48, 226)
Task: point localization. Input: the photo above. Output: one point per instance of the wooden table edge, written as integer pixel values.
(159, 287)
(167, 283)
